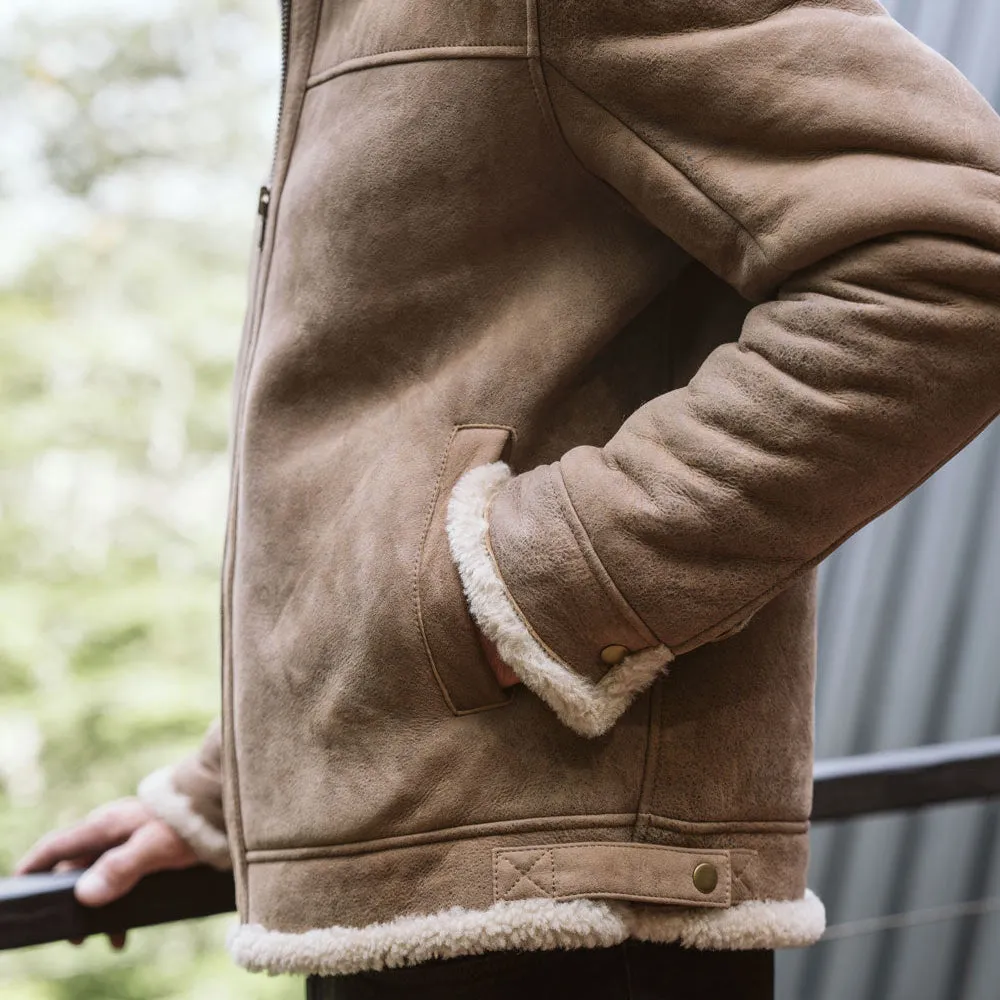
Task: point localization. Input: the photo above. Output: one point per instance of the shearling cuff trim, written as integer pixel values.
(177, 810)
(588, 708)
(528, 924)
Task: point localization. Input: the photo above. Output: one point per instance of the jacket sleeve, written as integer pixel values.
(188, 796)
(845, 180)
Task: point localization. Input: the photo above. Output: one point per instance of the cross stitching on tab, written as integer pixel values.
(531, 875)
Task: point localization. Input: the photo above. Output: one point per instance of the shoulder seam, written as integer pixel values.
(777, 271)
(546, 108)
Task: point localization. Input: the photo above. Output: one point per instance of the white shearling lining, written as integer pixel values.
(529, 925)
(756, 923)
(157, 791)
(588, 708)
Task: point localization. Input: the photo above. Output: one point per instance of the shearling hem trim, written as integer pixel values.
(529, 925)
(588, 708)
(757, 923)
(177, 810)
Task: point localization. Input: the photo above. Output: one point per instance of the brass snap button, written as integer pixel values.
(705, 877)
(614, 654)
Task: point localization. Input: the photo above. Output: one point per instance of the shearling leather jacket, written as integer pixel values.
(596, 325)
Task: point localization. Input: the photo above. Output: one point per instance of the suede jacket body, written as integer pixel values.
(593, 325)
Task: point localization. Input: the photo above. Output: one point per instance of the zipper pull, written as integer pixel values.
(263, 204)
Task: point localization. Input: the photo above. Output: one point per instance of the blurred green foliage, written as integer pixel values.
(135, 137)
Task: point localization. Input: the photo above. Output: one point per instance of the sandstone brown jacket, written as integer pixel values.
(598, 323)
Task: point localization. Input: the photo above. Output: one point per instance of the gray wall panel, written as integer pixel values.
(909, 648)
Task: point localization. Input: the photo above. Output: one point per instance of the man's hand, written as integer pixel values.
(505, 676)
(119, 843)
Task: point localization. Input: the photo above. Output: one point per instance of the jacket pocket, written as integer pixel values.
(453, 648)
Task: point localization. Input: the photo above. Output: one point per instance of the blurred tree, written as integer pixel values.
(135, 137)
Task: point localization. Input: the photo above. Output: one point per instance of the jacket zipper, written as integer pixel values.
(263, 205)
(264, 196)
(241, 377)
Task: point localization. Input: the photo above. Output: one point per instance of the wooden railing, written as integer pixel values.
(35, 909)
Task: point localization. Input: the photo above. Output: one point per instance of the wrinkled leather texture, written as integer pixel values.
(730, 273)
(843, 177)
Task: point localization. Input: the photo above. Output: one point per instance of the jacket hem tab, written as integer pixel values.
(651, 873)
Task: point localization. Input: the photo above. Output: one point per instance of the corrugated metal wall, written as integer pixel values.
(910, 654)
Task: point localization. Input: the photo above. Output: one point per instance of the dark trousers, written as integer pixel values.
(635, 970)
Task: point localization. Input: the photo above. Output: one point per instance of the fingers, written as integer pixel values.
(153, 847)
(504, 674)
(117, 941)
(105, 827)
(74, 864)
(121, 842)
(85, 839)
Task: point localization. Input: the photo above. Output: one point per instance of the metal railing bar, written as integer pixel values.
(913, 918)
(35, 909)
(893, 780)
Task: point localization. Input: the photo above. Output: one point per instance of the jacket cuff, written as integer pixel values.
(159, 792)
(589, 706)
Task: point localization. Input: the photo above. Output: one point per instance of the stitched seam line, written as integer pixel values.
(789, 828)
(723, 854)
(699, 900)
(544, 94)
(230, 755)
(600, 685)
(744, 877)
(510, 597)
(391, 57)
(531, 43)
(780, 272)
(536, 72)
(650, 760)
(544, 61)
(417, 565)
(406, 841)
(525, 875)
(715, 852)
(418, 572)
(621, 822)
(596, 566)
